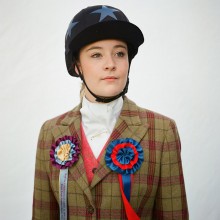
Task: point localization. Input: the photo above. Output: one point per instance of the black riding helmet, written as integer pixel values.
(98, 23)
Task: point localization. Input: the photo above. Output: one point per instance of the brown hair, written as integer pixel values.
(82, 91)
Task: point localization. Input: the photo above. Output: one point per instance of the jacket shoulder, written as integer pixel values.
(144, 112)
(63, 119)
(152, 117)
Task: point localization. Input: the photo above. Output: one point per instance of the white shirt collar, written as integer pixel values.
(98, 120)
(102, 114)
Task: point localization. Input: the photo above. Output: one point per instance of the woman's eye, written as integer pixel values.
(96, 55)
(120, 54)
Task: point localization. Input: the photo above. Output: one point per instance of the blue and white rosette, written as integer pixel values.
(63, 154)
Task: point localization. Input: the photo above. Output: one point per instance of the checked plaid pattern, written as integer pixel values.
(158, 191)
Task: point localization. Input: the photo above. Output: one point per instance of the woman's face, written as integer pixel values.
(104, 65)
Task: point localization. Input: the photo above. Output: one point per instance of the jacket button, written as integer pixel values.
(94, 170)
(90, 209)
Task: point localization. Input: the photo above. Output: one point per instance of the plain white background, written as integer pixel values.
(176, 73)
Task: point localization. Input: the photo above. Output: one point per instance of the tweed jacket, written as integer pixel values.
(158, 190)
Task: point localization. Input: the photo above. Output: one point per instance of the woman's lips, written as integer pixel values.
(110, 78)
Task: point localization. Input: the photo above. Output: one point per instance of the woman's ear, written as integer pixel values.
(77, 67)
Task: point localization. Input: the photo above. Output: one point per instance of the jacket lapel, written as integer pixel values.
(70, 126)
(128, 125)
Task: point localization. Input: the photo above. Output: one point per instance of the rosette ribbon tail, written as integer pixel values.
(63, 193)
(125, 188)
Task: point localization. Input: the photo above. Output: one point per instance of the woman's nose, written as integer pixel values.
(110, 63)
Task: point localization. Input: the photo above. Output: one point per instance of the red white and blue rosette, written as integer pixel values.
(125, 156)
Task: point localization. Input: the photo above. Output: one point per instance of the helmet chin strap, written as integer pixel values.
(103, 99)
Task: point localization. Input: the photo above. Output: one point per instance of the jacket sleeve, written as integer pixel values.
(45, 205)
(171, 200)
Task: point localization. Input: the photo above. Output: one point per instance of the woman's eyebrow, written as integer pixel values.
(97, 47)
(123, 46)
(93, 48)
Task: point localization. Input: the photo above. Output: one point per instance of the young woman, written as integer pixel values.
(107, 158)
